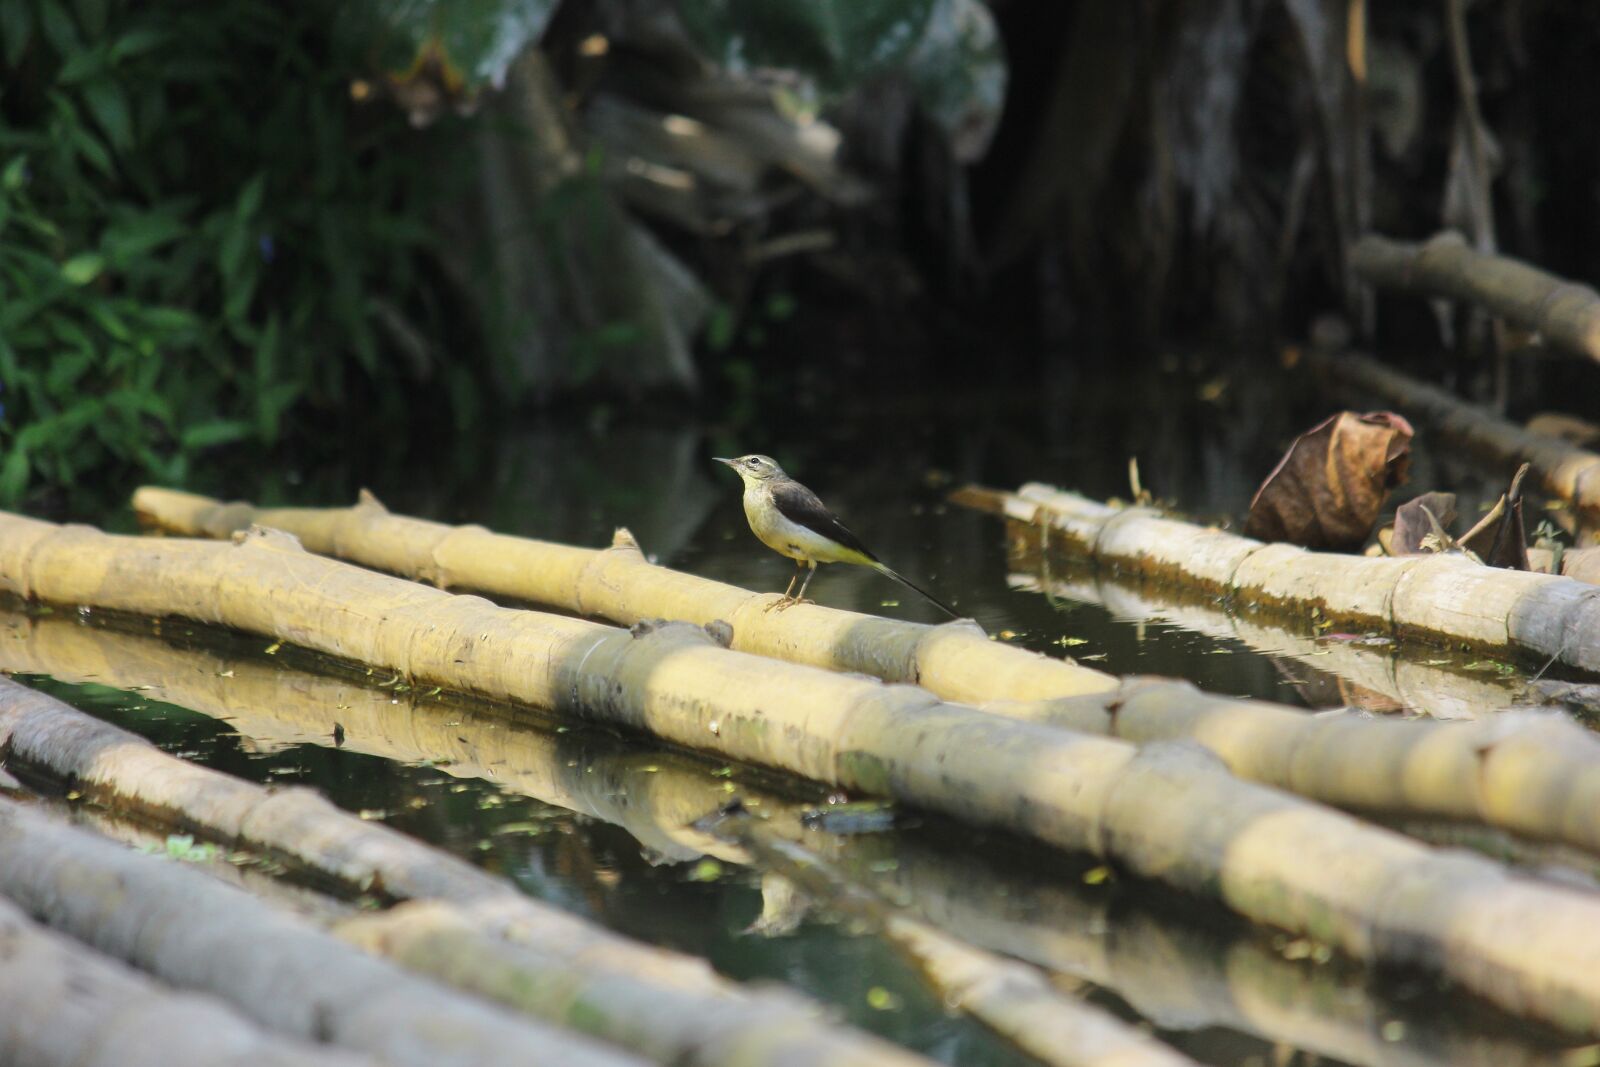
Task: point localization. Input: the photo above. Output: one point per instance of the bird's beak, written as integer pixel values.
(725, 462)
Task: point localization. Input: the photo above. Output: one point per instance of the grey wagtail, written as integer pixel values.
(789, 519)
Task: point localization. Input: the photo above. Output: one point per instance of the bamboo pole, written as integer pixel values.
(1560, 470)
(1180, 977)
(1370, 676)
(581, 579)
(1012, 999)
(956, 660)
(1565, 312)
(437, 939)
(580, 976)
(63, 1005)
(1166, 812)
(201, 934)
(1444, 597)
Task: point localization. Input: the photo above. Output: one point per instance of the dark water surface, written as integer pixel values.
(599, 823)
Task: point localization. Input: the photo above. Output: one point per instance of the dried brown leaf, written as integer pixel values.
(1327, 489)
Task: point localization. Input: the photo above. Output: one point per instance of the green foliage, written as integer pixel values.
(475, 41)
(195, 223)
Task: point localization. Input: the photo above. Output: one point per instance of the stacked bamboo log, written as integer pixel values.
(665, 1007)
(1179, 976)
(1164, 812)
(954, 661)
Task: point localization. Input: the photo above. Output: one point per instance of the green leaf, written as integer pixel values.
(138, 235)
(16, 26)
(59, 29)
(838, 43)
(14, 175)
(82, 269)
(14, 476)
(137, 42)
(109, 106)
(217, 432)
(250, 197)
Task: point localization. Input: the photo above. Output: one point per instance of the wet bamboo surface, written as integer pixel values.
(65, 1005)
(1166, 812)
(1559, 469)
(1440, 597)
(665, 1007)
(1182, 972)
(196, 933)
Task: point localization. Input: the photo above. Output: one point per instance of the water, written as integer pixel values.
(599, 823)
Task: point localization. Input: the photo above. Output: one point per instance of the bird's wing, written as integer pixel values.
(800, 506)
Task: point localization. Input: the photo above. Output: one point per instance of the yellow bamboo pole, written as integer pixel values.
(956, 660)
(620, 584)
(64, 1005)
(1166, 812)
(646, 999)
(1180, 976)
(200, 934)
(1371, 675)
(1442, 597)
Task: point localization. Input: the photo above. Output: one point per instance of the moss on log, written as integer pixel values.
(1559, 469)
(581, 976)
(1166, 812)
(956, 660)
(1566, 313)
(64, 1005)
(197, 933)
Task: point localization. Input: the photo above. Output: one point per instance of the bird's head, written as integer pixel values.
(754, 469)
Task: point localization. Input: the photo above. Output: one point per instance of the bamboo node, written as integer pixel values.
(720, 631)
(623, 538)
(366, 500)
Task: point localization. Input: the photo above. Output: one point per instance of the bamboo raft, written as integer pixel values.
(1163, 812)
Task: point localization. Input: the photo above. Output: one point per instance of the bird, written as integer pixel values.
(790, 519)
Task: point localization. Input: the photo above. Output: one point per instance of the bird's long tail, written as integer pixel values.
(889, 572)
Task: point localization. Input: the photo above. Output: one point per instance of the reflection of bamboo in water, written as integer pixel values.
(1014, 1000)
(1415, 684)
(640, 790)
(1178, 976)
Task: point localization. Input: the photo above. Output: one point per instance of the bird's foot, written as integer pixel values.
(779, 604)
(790, 601)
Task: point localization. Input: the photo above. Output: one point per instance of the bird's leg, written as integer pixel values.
(785, 600)
(810, 571)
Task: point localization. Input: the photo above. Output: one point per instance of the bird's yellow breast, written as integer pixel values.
(790, 538)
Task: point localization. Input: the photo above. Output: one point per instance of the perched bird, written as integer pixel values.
(789, 519)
